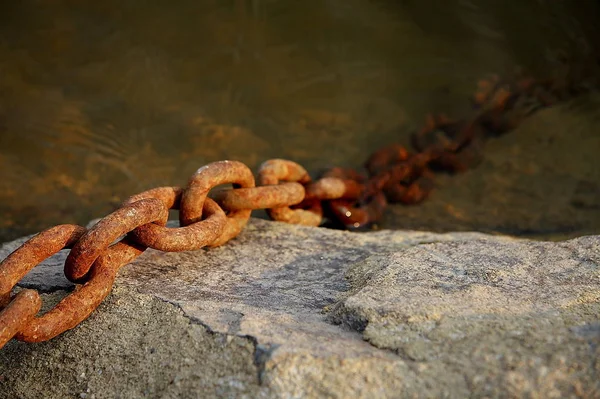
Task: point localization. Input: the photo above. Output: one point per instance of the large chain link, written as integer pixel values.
(211, 218)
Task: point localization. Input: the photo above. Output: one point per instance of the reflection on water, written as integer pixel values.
(100, 100)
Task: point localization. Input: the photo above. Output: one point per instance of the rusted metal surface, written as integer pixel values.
(347, 209)
(18, 314)
(348, 197)
(77, 306)
(329, 187)
(32, 252)
(87, 249)
(263, 197)
(272, 172)
(186, 238)
(169, 196)
(207, 177)
(399, 175)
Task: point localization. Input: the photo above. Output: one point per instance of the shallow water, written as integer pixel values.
(101, 101)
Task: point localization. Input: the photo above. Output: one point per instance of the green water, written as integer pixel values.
(101, 100)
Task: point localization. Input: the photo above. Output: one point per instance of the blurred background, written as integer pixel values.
(101, 100)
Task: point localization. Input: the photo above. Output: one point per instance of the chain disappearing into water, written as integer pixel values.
(343, 196)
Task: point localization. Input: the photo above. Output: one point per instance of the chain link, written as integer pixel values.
(186, 238)
(274, 170)
(207, 177)
(286, 191)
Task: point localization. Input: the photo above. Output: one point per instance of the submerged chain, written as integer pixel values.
(210, 217)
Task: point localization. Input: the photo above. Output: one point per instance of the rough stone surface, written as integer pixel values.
(290, 311)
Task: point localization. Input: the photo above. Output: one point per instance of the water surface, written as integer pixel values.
(101, 100)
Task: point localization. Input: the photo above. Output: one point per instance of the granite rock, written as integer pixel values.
(290, 311)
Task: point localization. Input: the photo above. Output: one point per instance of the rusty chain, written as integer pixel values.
(344, 196)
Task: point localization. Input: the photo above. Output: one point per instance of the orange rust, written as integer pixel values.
(262, 197)
(77, 306)
(107, 230)
(479, 98)
(18, 313)
(185, 238)
(357, 217)
(485, 88)
(348, 211)
(32, 252)
(483, 92)
(207, 177)
(170, 196)
(274, 170)
(328, 188)
(414, 193)
(483, 84)
(452, 145)
(345, 173)
(384, 157)
(18, 318)
(500, 98)
(446, 144)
